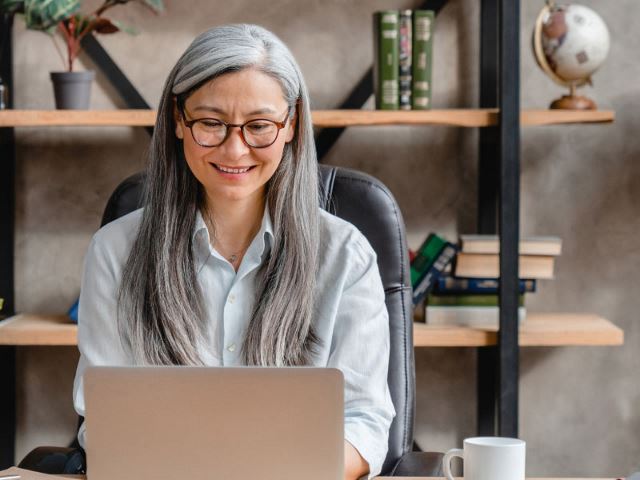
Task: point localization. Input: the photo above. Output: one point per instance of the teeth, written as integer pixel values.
(233, 170)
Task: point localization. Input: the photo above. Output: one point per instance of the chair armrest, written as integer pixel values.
(55, 460)
(419, 464)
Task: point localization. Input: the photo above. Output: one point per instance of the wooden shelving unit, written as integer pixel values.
(498, 186)
(25, 329)
(539, 330)
(472, 118)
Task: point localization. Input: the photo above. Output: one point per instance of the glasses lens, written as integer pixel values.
(260, 133)
(209, 133)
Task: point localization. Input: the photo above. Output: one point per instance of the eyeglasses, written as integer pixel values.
(256, 133)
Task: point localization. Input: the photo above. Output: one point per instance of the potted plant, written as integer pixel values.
(72, 88)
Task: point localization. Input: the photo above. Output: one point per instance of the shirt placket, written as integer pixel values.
(233, 320)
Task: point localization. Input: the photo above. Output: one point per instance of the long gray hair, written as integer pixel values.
(161, 314)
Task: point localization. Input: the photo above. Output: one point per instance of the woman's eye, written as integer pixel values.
(211, 124)
(258, 126)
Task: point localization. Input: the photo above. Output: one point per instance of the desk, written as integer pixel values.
(29, 475)
(541, 329)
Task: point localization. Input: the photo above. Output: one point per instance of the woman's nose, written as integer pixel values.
(234, 144)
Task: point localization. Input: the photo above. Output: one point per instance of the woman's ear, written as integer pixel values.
(177, 118)
(291, 132)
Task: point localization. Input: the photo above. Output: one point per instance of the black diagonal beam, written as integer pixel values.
(118, 79)
(328, 137)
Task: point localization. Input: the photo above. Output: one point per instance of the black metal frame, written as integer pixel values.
(498, 205)
(509, 218)
(7, 231)
(498, 209)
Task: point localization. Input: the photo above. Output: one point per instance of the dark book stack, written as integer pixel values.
(465, 290)
(403, 48)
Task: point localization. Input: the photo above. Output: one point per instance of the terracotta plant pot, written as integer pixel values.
(72, 89)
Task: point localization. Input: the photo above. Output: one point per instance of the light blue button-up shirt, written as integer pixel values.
(351, 317)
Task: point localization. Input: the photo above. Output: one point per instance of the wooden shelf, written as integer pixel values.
(27, 329)
(321, 118)
(550, 330)
(538, 330)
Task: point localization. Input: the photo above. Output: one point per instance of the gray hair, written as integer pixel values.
(161, 316)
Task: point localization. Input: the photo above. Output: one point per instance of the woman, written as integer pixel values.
(232, 262)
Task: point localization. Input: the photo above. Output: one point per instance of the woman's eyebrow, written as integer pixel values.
(211, 108)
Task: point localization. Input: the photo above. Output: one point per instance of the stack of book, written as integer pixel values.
(465, 290)
(403, 48)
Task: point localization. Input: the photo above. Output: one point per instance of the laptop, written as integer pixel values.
(193, 423)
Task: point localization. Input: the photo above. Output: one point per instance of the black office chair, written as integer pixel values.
(367, 203)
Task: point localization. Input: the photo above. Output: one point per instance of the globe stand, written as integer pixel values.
(553, 18)
(573, 102)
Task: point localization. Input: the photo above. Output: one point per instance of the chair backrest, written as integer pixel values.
(366, 203)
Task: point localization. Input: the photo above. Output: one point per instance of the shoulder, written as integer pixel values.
(114, 240)
(342, 243)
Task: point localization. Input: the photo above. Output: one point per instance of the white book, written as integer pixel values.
(467, 316)
(490, 244)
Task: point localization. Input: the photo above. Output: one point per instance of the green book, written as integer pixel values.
(426, 255)
(422, 58)
(386, 62)
(470, 300)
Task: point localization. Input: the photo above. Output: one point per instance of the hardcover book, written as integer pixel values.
(448, 285)
(426, 256)
(386, 67)
(423, 21)
(425, 284)
(527, 246)
(468, 300)
(405, 59)
(480, 265)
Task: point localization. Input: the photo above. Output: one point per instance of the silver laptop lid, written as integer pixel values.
(209, 423)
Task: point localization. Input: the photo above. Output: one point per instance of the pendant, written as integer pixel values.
(233, 258)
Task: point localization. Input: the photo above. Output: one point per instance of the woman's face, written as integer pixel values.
(235, 97)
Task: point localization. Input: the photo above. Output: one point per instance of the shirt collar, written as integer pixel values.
(259, 247)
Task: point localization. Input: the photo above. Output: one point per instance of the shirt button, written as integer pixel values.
(232, 347)
(232, 298)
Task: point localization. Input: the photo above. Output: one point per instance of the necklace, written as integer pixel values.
(233, 257)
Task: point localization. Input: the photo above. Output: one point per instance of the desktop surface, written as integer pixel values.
(29, 475)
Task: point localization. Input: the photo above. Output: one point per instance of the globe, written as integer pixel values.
(570, 42)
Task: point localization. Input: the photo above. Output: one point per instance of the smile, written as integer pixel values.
(232, 170)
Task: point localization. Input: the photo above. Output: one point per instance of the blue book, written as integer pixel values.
(447, 284)
(426, 283)
(73, 311)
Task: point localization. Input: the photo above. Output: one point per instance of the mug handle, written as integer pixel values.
(446, 461)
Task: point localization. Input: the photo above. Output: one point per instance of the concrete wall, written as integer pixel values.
(580, 407)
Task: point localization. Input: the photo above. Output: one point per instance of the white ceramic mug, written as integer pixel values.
(489, 458)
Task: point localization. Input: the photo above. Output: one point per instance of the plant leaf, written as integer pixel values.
(156, 5)
(103, 25)
(44, 14)
(125, 28)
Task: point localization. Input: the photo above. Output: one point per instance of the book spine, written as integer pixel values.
(422, 58)
(405, 59)
(467, 300)
(425, 285)
(386, 69)
(449, 285)
(426, 256)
